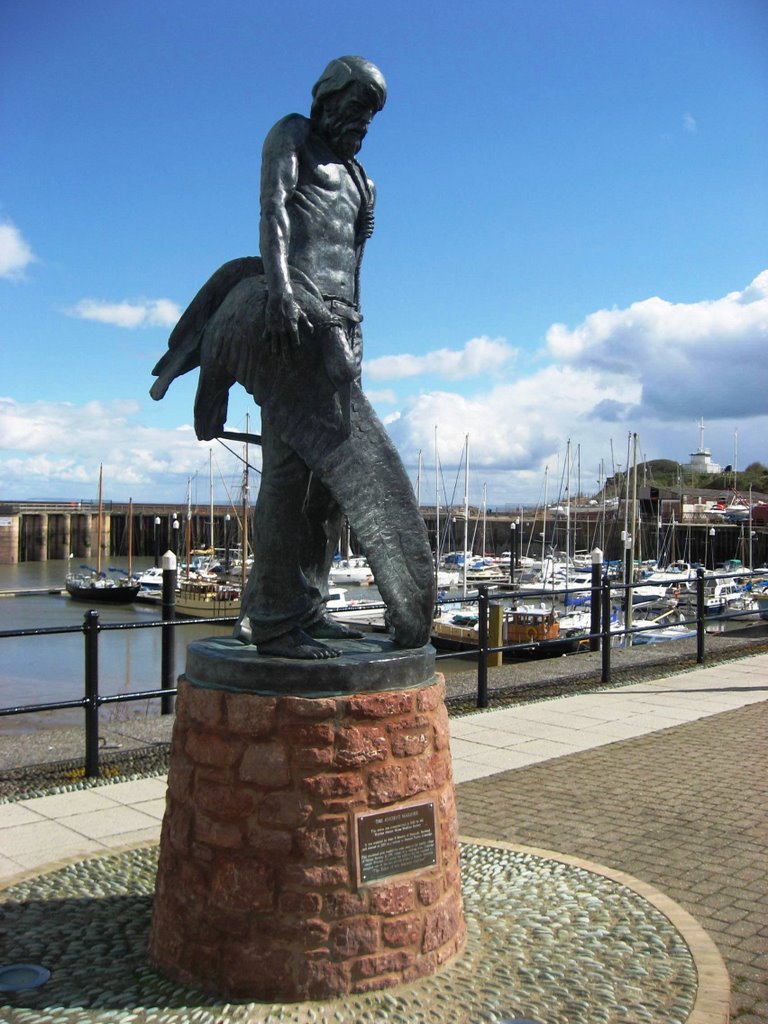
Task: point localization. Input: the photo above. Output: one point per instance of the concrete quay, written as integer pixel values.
(663, 778)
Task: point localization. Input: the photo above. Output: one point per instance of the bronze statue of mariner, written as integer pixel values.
(286, 326)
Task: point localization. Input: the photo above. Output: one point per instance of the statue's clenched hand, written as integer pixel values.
(284, 321)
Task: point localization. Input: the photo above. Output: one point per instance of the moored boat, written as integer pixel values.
(99, 588)
(355, 612)
(723, 598)
(205, 599)
(534, 630)
(661, 634)
(537, 630)
(150, 585)
(354, 570)
(96, 586)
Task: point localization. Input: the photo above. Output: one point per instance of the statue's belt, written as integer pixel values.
(344, 308)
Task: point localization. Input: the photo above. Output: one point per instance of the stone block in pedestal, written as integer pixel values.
(309, 847)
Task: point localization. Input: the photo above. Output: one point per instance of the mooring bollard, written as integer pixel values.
(495, 633)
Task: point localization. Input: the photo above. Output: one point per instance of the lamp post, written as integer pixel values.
(711, 533)
(594, 601)
(176, 526)
(626, 539)
(226, 542)
(512, 551)
(157, 541)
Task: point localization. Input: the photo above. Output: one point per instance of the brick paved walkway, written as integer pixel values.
(683, 809)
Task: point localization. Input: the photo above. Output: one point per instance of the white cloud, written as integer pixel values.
(15, 253)
(482, 355)
(653, 368)
(699, 358)
(49, 448)
(143, 313)
(381, 397)
(515, 425)
(689, 124)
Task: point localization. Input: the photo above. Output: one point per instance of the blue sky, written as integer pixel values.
(570, 244)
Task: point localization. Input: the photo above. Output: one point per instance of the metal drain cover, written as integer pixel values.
(14, 977)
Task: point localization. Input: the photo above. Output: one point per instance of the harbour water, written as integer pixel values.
(40, 669)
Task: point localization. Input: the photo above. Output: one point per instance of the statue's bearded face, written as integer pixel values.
(345, 117)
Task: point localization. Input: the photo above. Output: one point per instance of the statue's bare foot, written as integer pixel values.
(297, 644)
(329, 628)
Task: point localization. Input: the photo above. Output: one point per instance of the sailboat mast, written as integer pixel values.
(735, 456)
(130, 537)
(605, 496)
(485, 513)
(630, 553)
(210, 487)
(437, 515)
(99, 524)
(466, 509)
(567, 514)
(189, 522)
(244, 544)
(544, 523)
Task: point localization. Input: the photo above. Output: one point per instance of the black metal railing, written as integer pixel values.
(600, 636)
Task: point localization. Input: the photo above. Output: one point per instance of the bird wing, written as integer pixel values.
(185, 340)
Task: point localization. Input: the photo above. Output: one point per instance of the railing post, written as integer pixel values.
(168, 653)
(91, 632)
(700, 616)
(605, 635)
(482, 638)
(594, 601)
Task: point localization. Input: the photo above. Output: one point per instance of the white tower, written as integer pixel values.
(701, 461)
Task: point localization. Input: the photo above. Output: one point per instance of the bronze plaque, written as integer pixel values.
(392, 842)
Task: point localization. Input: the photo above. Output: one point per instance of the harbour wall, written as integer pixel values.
(41, 531)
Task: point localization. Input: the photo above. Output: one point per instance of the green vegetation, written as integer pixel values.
(669, 475)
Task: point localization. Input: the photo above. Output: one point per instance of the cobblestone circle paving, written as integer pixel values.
(546, 940)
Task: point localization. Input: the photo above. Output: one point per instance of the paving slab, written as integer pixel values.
(138, 790)
(682, 808)
(64, 805)
(13, 815)
(114, 821)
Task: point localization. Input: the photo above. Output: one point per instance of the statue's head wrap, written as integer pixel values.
(343, 71)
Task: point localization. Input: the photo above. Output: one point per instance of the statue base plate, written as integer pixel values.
(373, 663)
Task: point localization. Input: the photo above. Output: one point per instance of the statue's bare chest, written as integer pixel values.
(325, 185)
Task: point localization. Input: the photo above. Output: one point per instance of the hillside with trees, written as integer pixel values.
(669, 475)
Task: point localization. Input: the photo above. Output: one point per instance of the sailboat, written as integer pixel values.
(93, 585)
(202, 597)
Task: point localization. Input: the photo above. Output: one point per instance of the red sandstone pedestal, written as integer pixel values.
(309, 846)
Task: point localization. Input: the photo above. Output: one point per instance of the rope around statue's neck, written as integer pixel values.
(364, 225)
